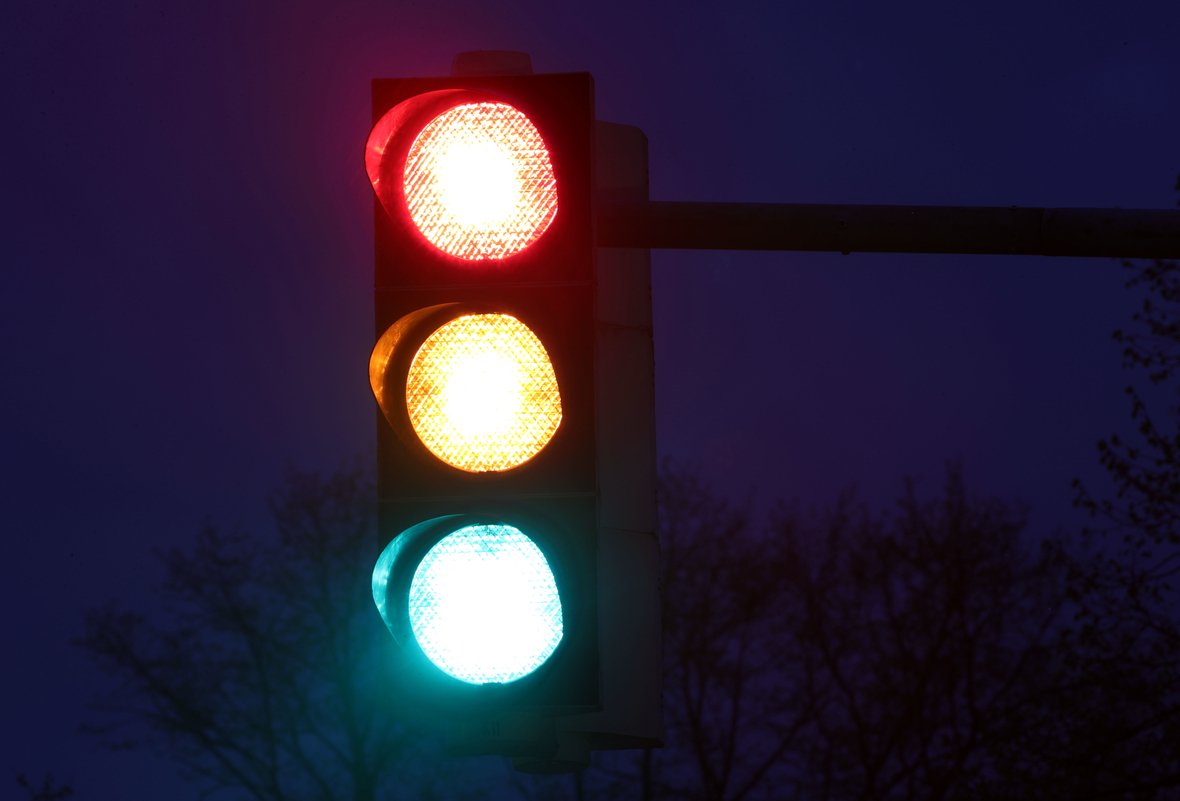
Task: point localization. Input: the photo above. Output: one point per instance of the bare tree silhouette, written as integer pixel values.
(1121, 679)
(926, 652)
(263, 670)
(49, 789)
(920, 629)
(839, 653)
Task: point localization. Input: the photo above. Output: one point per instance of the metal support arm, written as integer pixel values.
(1127, 233)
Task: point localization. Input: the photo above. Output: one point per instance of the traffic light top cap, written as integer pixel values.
(491, 62)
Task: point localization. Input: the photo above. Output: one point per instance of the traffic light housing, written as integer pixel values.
(516, 436)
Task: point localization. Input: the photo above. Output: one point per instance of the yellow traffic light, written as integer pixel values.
(481, 393)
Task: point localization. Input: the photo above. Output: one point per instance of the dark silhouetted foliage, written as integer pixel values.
(1121, 678)
(923, 652)
(49, 789)
(839, 653)
(263, 670)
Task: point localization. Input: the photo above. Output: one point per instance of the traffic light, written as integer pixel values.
(516, 436)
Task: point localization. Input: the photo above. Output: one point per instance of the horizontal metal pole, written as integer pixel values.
(1129, 233)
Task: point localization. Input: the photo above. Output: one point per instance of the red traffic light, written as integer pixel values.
(478, 175)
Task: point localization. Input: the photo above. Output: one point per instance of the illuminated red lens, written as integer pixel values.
(479, 183)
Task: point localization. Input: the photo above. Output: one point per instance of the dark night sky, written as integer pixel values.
(188, 264)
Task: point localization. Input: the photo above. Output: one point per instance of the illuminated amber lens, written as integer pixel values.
(478, 182)
(482, 394)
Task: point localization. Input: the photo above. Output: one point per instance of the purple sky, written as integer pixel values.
(188, 264)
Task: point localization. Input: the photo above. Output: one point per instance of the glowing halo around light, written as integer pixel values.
(481, 393)
(479, 183)
(484, 605)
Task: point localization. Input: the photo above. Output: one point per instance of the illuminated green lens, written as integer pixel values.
(484, 605)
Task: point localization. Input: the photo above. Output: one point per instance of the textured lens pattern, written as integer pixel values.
(484, 605)
(479, 183)
(481, 393)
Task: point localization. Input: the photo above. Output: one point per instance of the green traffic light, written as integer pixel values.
(484, 605)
